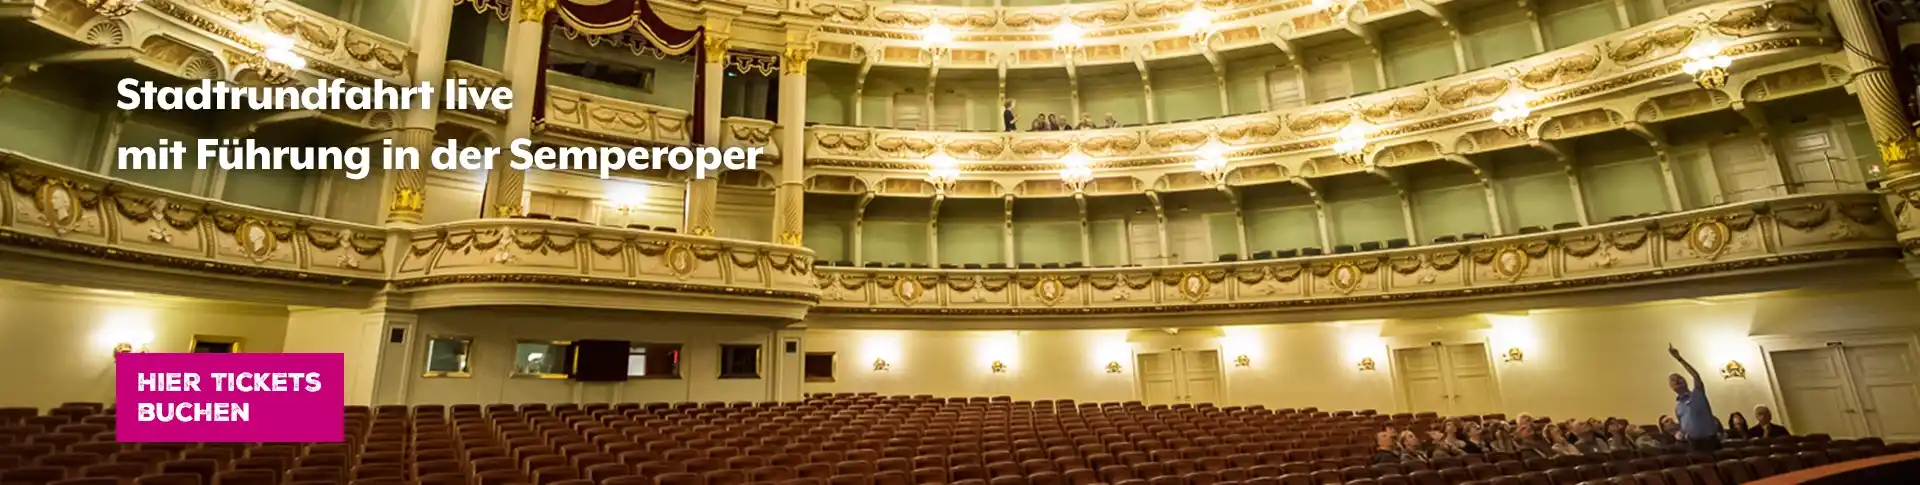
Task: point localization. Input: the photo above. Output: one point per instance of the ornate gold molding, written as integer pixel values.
(794, 60)
(535, 11)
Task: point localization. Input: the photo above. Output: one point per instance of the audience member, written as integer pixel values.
(1557, 442)
(1111, 123)
(1410, 447)
(1528, 443)
(1617, 438)
(1669, 430)
(1086, 122)
(1586, 441)
(1642, 439)
(1441, 445)
(1476, 441)
(1736, 426)
(1698, 428)
(1763, 427)
(1057, 123)
(1007, 117)
(1384, 449)
(1503, 438)
(1039, 123)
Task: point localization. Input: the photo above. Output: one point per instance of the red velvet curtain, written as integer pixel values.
(603, 17)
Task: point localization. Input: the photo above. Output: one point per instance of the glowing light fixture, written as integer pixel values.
(1079, 170)
(1707, 63)
(627, 200)
(1351, 144)
(279, 61)
(1067, 35)
(1211, 160)
(1198, 23)
(1242, 361)
(1514, 113)
(1113, 367)
(942, 171)
(998, 367)
(881, 365)
(1366, 364)
(935, 38)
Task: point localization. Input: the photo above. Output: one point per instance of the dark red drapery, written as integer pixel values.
(604, 17)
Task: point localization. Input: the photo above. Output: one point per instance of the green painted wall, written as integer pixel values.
(1279, 228)
(829, 239)
(281, 190)
(1620, 180)
(139, 132)
(47, 124)
(1418, 54)
(1533, 191)
(1568, 22)
(1247, 82)
(1185, 93)
(1496, 34)
(391, 18)
(830, 94)
(971, 240)
(1370, 218)
(1035, 93)
(1046, 241)
(1120, 95)
(1107, 241)
(1450, 204)
(969, 102)
(1223, 230)
(894, 241)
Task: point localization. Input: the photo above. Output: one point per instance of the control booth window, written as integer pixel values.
(447, 356)
(544, 359)
(739, 362)
(654, 361)
(819, 366)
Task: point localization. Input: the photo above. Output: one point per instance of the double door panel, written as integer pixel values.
(1851, 391)
(1447, 379)
(1179, 376)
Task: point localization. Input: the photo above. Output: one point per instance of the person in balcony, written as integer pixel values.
(1039, 123)
(1086, 122)
(1763, 427)
(1055, 122)
(1007, 117)
(1111, 123)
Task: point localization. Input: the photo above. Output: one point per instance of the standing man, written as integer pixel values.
(1699, 430)
(1006, 117)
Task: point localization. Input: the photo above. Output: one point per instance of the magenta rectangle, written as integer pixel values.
(229, 397)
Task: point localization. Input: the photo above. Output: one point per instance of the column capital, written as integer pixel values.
(716, 45)
(533, 10)
(794, 60)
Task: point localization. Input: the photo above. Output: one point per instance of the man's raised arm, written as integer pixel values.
(1697, 385)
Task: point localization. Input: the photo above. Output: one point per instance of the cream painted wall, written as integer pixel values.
(494, 333)
(1608, 361)
(59, 340)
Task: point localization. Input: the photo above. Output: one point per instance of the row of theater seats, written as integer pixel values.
(547, 217)
(845, 440)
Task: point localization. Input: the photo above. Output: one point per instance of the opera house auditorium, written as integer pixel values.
(991, 242)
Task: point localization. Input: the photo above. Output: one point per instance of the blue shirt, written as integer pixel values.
(1695, 414)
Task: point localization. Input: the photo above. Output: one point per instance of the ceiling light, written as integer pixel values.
(1068, 34)
(1196, 21)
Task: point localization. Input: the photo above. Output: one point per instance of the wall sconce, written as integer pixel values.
(1513, 355)
(881, 365)
(1113, 367)
(1733, 370)
(1707, 63)
(1366, 364)
(129, 348)
(1242, 361)
(998, 367)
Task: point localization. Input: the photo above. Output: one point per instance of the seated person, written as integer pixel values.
(1763, 426)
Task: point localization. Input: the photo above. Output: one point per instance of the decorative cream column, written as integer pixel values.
(789, 197)
(506, 187)
(702, 196)
(1881, 103)
(406, 188)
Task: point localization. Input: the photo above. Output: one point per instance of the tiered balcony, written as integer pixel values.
(67, 226)
(1794, 232)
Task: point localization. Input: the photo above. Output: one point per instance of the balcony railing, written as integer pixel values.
(1795, 230)
(53, 210)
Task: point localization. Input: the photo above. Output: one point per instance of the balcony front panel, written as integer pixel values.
(1801, 230)
(53, 211)
(1594, 86)
(223, 39)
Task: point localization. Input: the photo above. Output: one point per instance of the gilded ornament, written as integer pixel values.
(535, 10)
(790, 238)
(908, 290)
(1896, 150)
(716, 46)
(1511, 262)
(1345, 277)
(409, 199)
(794, 60)
(1709, 238)
(1195, 286)
(702, 231)
(58, 206)
(1049, 290)
(255, 240)
(506, 210)
(680, 259)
